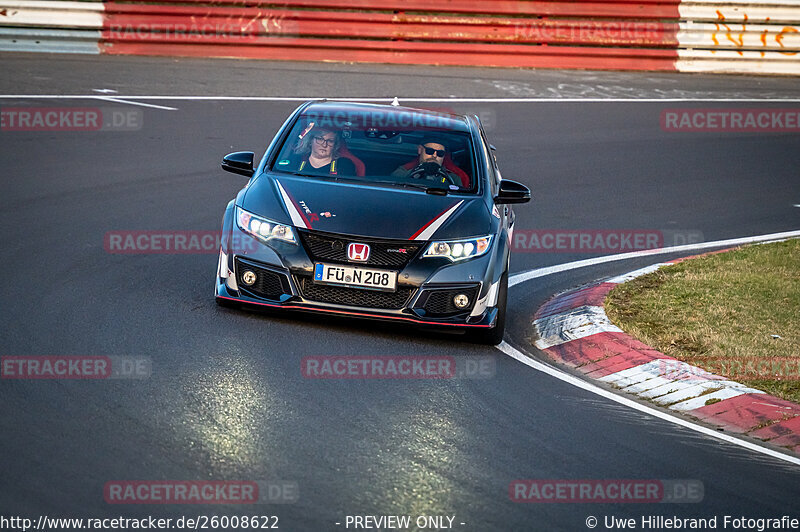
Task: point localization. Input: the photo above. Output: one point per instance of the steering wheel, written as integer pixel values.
(429, 169)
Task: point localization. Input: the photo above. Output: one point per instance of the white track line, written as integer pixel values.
(569, 379)
(404, 99)
(118, 100)
(549, 270)
(588, 386)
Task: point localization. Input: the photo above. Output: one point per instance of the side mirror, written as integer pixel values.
(512, 192)
(240, 162)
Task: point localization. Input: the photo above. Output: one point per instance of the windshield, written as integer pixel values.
(377, 148)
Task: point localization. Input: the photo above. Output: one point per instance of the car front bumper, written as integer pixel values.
(422, 297)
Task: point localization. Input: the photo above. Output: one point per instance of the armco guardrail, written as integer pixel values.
(464, 32)
(754, 36)
(759, 36)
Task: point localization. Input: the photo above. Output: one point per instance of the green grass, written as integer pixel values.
(720, 312)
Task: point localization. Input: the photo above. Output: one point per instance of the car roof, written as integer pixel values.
(443, 119)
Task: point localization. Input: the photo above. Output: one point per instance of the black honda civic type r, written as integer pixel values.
(373, 211)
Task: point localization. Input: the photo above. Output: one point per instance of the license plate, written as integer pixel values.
(355, 277)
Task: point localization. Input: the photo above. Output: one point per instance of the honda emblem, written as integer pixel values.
(358, 252)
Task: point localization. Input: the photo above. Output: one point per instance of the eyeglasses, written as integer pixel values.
(431, 151)
(322, 141)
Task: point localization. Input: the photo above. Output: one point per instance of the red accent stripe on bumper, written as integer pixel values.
(348, 313)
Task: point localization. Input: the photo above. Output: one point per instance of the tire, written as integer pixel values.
(494, 335)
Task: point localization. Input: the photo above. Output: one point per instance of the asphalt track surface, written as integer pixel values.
(226, 399)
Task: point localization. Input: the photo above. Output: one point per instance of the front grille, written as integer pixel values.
(354, 297)
(268, 285)
(333, 248)
(440, 302)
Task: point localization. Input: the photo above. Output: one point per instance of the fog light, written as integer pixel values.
(461, 301)
(248, 278)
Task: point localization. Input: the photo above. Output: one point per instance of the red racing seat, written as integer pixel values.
(345, 152)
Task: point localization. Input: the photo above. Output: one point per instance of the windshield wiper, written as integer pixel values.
(439, 191)
(307, 175)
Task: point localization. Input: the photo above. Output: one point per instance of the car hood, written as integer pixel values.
(369, 211)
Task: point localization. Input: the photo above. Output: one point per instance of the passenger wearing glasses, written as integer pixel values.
(318, 153)
(429, 164)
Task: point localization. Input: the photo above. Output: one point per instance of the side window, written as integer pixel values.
(494, 173)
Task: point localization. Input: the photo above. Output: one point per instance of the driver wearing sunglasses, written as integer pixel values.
(431, 153)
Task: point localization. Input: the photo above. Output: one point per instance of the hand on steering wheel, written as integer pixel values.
(429, 169)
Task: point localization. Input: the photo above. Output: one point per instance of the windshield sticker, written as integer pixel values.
(307, 129)
(285, 161)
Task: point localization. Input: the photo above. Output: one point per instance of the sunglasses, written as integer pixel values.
(431, 151)
(323, 141)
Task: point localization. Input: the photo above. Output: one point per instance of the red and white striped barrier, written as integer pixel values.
(47, 14)
(574, 330)
(755, 36)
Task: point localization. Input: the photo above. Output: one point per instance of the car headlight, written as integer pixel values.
(459, 249)
(263, 229)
